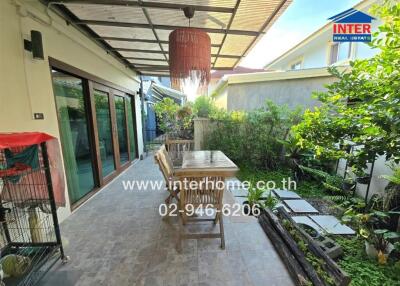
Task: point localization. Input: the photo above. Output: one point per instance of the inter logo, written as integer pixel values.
(352, 26)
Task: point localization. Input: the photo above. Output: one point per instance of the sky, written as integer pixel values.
(301, 18)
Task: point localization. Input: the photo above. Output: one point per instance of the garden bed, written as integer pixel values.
(354, 261)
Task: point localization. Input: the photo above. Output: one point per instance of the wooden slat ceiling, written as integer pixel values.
(136, 32)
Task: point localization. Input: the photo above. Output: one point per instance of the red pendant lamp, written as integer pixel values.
(189, 55)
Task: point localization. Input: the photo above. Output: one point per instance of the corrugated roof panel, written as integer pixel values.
(134, 45)
(252, 14)
(108, 13)
(201, 19)
(148, 62)
(123, 32)
(142, 55)
(212, 3)
(225, 63)
(214, 50)
(235, 45)
(114, 21)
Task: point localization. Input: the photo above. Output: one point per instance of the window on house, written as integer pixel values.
(296, 66)
(340, 52)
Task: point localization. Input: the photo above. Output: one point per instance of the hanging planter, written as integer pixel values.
(348, 185)
(363, 180)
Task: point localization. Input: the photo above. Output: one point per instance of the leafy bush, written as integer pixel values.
(204, 106)
(174, 120)
(253, 138)
(332, 183)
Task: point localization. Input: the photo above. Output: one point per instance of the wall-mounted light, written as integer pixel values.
(35, 45)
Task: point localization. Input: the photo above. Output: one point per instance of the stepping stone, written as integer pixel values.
(300, 206)
(240, 200)
(239, 192)
(244, 193)
(332, 225)
(286, 195)
(307, 221)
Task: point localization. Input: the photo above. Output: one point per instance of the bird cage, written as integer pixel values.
(31, 189)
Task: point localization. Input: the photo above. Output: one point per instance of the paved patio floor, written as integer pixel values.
(119, 238)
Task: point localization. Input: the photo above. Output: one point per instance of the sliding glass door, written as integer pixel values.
(104, 131)
(131, 127)
(74, 132)
(97, 131)
(122, 128)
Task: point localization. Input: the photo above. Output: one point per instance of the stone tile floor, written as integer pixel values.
(119, 238)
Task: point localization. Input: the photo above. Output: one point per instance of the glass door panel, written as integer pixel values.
(131, 129)
(74, 134)
(104, 130)
(121, 128)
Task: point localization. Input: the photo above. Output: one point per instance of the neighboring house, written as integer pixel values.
(250, 91)
(155, 90)
(292, 77)
(218, 74)
(318, 50)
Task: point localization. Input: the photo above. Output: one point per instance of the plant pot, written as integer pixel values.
(348, 187)
(370, 250)
(363, 180)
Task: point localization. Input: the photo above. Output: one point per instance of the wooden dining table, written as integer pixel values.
(206, 163)
(203, 165)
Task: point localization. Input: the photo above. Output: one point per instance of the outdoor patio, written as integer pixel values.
(119, 238)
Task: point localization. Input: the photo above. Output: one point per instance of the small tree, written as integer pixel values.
(363, 106)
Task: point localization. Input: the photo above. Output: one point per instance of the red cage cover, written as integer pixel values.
(12, 140)
(25, 139)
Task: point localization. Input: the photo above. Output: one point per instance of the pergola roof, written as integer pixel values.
(136, 32)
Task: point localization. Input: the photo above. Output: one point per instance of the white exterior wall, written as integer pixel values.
(26, 85)
(316, 56)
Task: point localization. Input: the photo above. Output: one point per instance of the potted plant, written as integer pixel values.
(270, 202)
(378, 246)
(361, 176)
(348, 184)
(253, 201)
(377, 240)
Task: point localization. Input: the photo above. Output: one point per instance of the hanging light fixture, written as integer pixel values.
(189, 57)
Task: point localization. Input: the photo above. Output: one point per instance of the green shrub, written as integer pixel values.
(173, 119)
(204, 106)
(253, 138)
